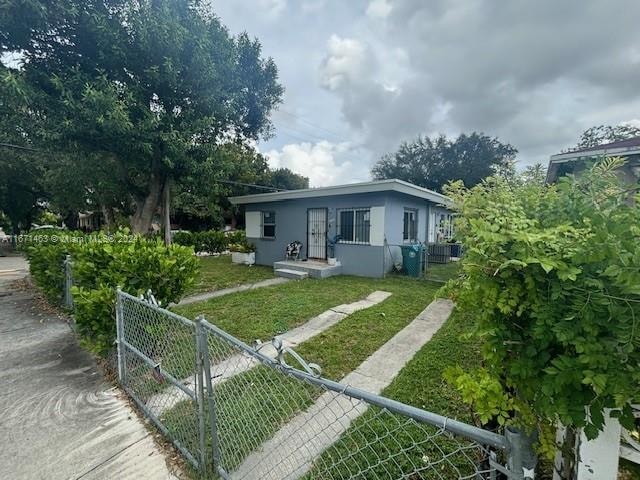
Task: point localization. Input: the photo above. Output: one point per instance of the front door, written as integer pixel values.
(317, 233)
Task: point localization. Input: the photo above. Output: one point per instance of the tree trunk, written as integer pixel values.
(109, 217)
(166, 211)
(567, 455)
(146, 207)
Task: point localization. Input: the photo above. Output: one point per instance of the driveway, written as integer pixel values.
(59, 419)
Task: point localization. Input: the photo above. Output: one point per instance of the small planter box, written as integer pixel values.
(243, 258)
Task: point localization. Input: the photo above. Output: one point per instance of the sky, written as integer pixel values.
(362, 76)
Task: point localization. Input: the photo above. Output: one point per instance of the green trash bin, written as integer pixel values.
(412, 259)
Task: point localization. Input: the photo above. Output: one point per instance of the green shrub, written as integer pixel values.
(211, 241)
(102, 263)
(552, 279)
(46, 251)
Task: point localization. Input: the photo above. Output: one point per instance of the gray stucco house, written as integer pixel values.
(372, 220)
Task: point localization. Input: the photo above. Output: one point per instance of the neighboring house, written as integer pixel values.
(372, 219)
(577, 160)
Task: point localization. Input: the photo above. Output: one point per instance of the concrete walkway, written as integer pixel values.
(237, 364)
(59, 419)
(290, 452)
(199, 297)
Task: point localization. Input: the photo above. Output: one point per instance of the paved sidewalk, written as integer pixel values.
(58, 417)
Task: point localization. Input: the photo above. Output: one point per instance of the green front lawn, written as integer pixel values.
(254, 406)
(218, 272)
(268, 311)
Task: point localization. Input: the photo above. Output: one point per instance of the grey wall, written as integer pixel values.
(362, 260)
(291, 225)
(394, 225)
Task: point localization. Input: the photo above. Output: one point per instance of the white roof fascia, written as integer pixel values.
(355, 188)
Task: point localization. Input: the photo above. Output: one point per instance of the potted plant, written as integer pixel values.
(243, 253)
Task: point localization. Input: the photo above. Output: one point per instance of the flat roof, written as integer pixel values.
(392, 185)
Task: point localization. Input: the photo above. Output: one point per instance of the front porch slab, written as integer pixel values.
(313, 268)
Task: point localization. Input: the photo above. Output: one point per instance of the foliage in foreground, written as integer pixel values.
(552, 276)
(100, 265)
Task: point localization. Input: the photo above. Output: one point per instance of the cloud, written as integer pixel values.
(533, 73)
(347, 61)
(273, 8)
(323, 162)
(379, 8)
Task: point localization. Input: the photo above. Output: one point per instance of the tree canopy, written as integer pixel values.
(143, 91)
(601, 134)
(433, 162)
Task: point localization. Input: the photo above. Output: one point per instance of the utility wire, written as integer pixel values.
(264, 187)
(18, 147)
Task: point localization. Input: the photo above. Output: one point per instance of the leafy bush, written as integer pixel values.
(552, 276)
(101, 264)
(46, 251)
(211, 241)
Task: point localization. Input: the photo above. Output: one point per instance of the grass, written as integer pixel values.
(219, 272)
(252, 406)
(442, 271)
(365, 446)
(265, 312)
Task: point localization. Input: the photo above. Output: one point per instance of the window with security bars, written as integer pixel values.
(268, 224)
(354, 225)
(410, 226)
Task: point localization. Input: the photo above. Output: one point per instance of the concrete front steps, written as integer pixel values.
(305, 268)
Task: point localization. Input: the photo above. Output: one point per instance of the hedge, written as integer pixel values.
(101, 264)
(211, 241)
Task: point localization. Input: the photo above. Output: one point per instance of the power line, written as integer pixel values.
(18, 147)
(264, 187)
(313, 125)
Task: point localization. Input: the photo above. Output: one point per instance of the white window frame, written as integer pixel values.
(263, 224)
(354, 210)
(407, 232)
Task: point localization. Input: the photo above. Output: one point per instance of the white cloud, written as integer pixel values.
(346, 61)
(379, 9)
(273, 8)
(319, 161)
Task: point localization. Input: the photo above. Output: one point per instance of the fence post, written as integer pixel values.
(200, 354)
(122, 372)
(521, 460)
(213, 420)
(68, 282)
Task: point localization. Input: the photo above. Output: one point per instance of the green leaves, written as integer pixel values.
(101, 264)
(552, 275)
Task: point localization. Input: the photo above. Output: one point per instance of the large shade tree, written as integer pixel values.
(433, 162)
(145, 90)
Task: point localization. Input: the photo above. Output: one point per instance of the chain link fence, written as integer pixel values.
(244, 412)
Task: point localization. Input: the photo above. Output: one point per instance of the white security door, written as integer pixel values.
(317, 233)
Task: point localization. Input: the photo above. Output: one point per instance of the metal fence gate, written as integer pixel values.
(243, 412)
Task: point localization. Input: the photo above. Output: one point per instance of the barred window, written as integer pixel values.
(410, 231)
(268, 224)
(354, 225)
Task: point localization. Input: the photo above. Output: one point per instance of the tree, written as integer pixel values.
(431, 163)
(285, 179)
(147, 90)
(552, 279)
(595, 136)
